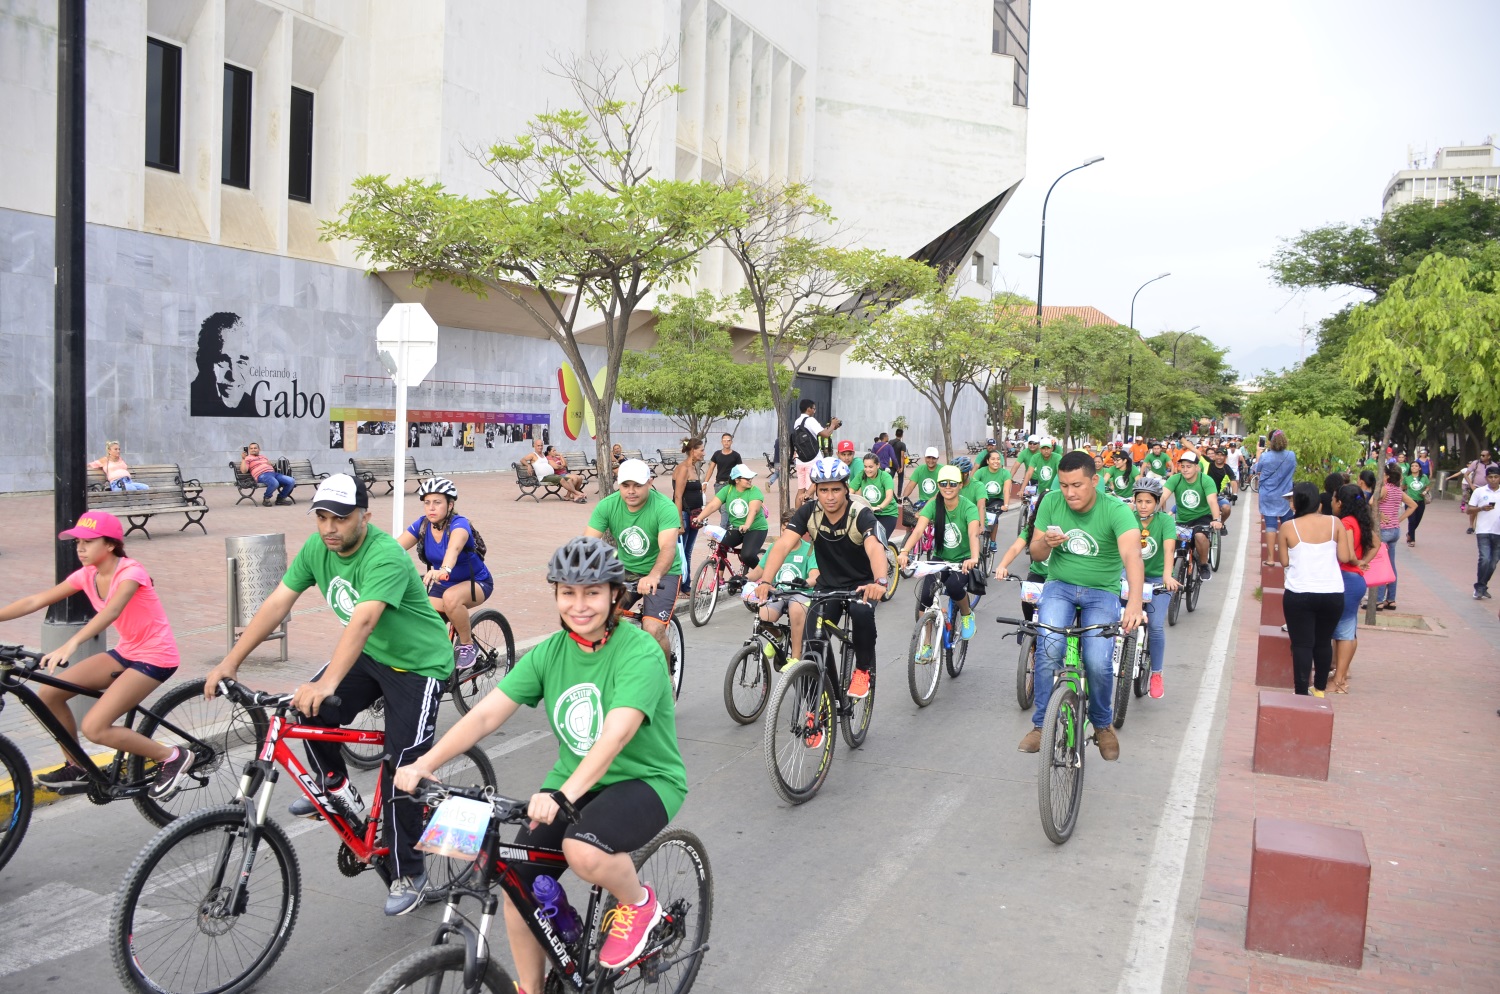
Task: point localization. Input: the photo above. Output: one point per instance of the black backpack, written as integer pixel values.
(474, 536)
(804, 442)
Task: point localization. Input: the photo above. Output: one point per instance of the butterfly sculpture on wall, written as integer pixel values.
(577, 414)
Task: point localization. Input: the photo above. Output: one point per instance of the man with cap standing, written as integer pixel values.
(644, 523)
(394, 647)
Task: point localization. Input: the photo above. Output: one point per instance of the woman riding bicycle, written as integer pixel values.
(456, 578)
(124, 596)
(955, 522)
(879, 491)
(995, 478)
(618, 765)
(747, 517)
(1158, 547)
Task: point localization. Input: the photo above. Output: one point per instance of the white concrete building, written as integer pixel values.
(220, 133)
(1472, 167)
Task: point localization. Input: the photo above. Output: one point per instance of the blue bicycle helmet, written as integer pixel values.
(965, 465)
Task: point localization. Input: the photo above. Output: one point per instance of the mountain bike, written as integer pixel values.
(1065, 730)
(1028, 508)
(180, 717)
(989, 548)
(1185, 569)
(810, 698)
(1214, 543)
(1031, 593)
(460, 960)
(935, 642)
(747, 681)
(1132, 659)
(631, 608)
(715, 574)
(211, 901)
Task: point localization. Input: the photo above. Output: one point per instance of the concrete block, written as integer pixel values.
(1271, 576)
(1293, 735)
(1309, 892)
(1271, 612)
(1273, 658)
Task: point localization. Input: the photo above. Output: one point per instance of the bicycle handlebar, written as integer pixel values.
(245, 697)
(20, 654)
(506, 810)
(1108, 629)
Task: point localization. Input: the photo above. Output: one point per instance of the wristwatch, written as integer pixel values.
(884, 581)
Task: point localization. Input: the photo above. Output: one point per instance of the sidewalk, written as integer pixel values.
(1415, 767)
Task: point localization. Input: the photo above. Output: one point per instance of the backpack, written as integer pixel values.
(474, 536)
(851, 520)
(804, 442)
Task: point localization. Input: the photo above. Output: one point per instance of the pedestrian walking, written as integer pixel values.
(1484, 522)
(1473, 479)
(1416, 483)
(1392, 507)
(1353, 512)
(1276, 468)
(1312, 546)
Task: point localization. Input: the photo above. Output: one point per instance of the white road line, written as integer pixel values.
(1151, 937)
(818, 945)
(519, 742)
(53, 921)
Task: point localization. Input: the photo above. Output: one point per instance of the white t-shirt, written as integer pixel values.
(812, 426)
(1486, 522)
(1236, 459)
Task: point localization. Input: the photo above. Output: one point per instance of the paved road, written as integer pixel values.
(921, 865)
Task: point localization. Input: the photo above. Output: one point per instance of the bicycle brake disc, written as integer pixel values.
(350, 865)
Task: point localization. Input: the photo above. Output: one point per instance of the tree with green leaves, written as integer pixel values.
(1012, 328)
(1323, 444)
(579, 232)
(1074, 358)
(691, 374)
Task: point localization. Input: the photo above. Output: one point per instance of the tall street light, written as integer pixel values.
(1130, 354)
(1041, 257)
(1179, 338)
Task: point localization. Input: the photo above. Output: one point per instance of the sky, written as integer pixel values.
(1226, 127)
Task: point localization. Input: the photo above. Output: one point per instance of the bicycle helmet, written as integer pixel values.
(584, 561)
(965, 465)
(437, 485)
(828, 469)
(1148, 485)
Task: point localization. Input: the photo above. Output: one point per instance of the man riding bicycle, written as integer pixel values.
(850, 556)
(644, 524)
(394, 646)
(1086, 540)
(1196, 504)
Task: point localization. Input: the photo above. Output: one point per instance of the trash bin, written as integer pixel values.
(254, 568)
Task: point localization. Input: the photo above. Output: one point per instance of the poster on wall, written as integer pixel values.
(228, 384)
(429, 428)
(336, 434)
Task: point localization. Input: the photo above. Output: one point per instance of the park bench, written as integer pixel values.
(382, 469)
(665, 462)
(529, 484)
(579, 465)
(137, 507)
(153, 475)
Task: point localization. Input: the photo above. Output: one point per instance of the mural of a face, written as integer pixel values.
(222, 387)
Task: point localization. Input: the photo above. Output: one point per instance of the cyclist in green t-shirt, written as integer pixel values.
(1195, 503)
(1157, 461)
(955, 525)
(879, 491)
(1116, 479)
(644, 524)
(800, 564)
(747, 517)
(1158, 548)
(394, 646)
(1415, 483)
(1045, 468)
(995, 479)
(923, 479)
(1025, 463)
(1087, 541)
(619, 776)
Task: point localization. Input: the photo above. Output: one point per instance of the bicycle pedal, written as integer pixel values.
(67, 789)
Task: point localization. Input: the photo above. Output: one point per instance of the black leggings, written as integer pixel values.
(1413, 520)
(1310, 621)
(955, 585)
(749, 544)
(619, 818)
(862, 622)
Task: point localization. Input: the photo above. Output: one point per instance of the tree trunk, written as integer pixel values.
(1390, 425)
(946, 418)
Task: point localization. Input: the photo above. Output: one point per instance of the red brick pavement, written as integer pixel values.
(1415, 767)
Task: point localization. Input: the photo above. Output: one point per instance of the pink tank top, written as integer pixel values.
(145, 635)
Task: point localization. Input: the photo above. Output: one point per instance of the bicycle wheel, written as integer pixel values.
(233, 733)
(956, 654)
(678, 661)
(799, 731)
(705, 592)
(1142, 665)
(856, 724)
(892, 571)
(747, 684)
(169, 931)
(676, 866)
(1255, 483)
(1194, 588)
(439, 970)
(1174, 607)
(1060, 779)
(1213, 550)
(495, 654)
(371, 719)
(1124, 676)
(923, 671)
(468, 769)
(1026, 673)
(15, 799)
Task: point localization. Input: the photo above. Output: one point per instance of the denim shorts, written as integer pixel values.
(154, 672)
(1274, 521)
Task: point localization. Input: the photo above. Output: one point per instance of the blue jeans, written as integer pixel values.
(1059, 607)
(126, 483)
(689, 536)
(273, 480)
(1386, 593)
(1489, 556)
(1156, 624)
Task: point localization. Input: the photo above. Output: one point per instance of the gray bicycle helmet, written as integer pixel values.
(437, 485)
(584, 561)
(1148, 485)
(965, 465)
(827, 469)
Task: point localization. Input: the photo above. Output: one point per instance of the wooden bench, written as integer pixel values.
(578, 464)
(137, 507)
(382, 469)
(154, 475)
(528, 483)
(665, 462)
(300, 470)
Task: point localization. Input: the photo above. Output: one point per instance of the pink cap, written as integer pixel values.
(96, 524)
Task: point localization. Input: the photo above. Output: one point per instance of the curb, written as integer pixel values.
(41, 794)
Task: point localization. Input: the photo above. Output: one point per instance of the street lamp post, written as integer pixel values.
(1179, 337)
(1041, 257)
(1130, 352)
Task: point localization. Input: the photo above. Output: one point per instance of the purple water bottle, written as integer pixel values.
(549, 894)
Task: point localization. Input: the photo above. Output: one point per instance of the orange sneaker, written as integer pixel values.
(859, 684)
(812, 732)
(627, 928)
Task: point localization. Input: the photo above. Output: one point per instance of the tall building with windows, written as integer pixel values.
(222, 133)
(1470, 167)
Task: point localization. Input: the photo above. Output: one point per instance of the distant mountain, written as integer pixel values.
(1273, 357)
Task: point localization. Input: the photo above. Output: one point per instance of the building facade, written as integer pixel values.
(1470, 167)
(222, 133)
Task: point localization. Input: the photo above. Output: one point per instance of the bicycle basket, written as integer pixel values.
(1031, 591)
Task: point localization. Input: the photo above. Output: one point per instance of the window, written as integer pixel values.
(236, 171)
(163, 103)
(299, 185)
(1012, 36)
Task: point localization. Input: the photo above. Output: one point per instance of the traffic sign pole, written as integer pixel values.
(406, 341)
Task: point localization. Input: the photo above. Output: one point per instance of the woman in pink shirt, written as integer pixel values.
(146, 654)
(116, 472)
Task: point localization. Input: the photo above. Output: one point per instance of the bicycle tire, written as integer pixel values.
(1026, 673)
(801, 706)
(702, 601)
(1195, 588)
(495, 654)
(1214, 544)
(1174, 606)
(360, 755)
(151, 921)
(676, 865)
(1143, 666)
(856, 724)
(16, 800)
(1124, 678)
(923, 676)
(892, 571)
(439, 969)
(678, 663)
(234, 733)
(956, 655)
(1060, 778)
(1255, 483)
(747, 684)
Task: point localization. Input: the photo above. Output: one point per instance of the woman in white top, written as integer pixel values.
(1312, 544)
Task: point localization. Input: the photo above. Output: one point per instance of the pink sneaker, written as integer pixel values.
(627, 929)
(1157, 690)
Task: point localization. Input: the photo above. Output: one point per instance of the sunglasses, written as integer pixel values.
(946, 484)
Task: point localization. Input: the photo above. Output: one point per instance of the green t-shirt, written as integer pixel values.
(1045, 475)
(874, 488)
(1416, 486)
(974, 490)
(1026, 457)
(1163, 528)
(799, 564)
(953, 544)
(409, 635)
(926, 481)
(1158, 463)
(635, 532)
(1091, 555)
(993, 481)
(1117, 481)
(1194, 500)
(580, 688)
(737, 503)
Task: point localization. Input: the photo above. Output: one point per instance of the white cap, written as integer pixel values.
(931, 453)
(1033, 438)
(1048, 443)
(633, 471)
(742, 472)
(340, 495)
